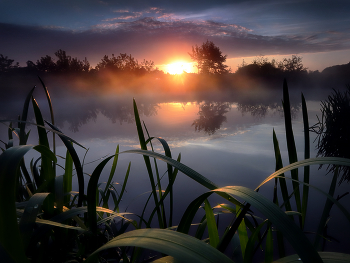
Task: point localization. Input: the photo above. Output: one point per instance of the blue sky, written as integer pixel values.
(164, 31)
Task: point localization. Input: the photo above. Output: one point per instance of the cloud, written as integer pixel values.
(156, 38)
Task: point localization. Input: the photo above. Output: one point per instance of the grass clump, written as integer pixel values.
(44, 220)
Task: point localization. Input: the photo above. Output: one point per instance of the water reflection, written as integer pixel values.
(211, 116)
(74, 111)
(260, 110)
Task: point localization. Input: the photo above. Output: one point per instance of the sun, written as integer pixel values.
(179, 67)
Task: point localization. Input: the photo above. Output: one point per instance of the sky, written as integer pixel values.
(165, 31)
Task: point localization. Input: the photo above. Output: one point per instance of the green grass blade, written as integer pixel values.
(56, 224)
(211, 223)
(249, 252)
(226, 239)
(292, 151)
(282, 181)
(188, 216)
(306, 156)
(123, 186)
(289, 229)
(91, 194)
(111, 174)
(10, 238)
(269, 246)
(147, 162)
(68, 176)
(171, 179)
(51, 113)
(43, 140)
(22, 125)
(47, 168)
(182, 247)
(76, 162)
(242, 232)
(160, 192)
(311, 161)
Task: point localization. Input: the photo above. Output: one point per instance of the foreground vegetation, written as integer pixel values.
(44, 220)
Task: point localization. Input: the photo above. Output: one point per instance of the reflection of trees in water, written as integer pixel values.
(260, 110)
(114, 111)
(211, 116)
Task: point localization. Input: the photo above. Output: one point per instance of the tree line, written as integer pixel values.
(65, 63)
(208, 58)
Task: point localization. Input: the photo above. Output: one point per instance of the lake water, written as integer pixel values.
(225, 136)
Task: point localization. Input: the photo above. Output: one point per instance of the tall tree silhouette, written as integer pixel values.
(209, 58)
(6, 64)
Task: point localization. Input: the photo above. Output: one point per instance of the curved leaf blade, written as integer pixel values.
(180, 246)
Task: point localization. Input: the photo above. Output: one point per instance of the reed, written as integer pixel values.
(43, 220)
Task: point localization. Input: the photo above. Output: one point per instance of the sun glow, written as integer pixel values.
(179, 67)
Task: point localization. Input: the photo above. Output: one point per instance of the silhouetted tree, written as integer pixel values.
(123, 62)
(64, 63)
(6, 64)
(148, 66)
(46, 64)
(294, 64)
(209, 58)
(30, 64)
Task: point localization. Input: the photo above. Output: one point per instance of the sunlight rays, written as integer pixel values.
(179, 67)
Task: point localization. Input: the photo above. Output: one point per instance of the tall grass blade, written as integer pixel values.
(147, 162)
(226, 239)
(47, 168)
(242, 231)
(76, 162)
(91, 194)
(282, 181)
(182, 247)
(249, 252)
(112, 172)
(306, 156)
(116, 208)
(167, 190)
(292, 151)
(161, 204)
(22, 125)
(68, 176)
(189, 214)
(171, 178)
(211, 223)
(311, 161)
(269, 246)
(51, 113)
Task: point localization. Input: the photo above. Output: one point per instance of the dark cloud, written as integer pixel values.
(150, 38)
